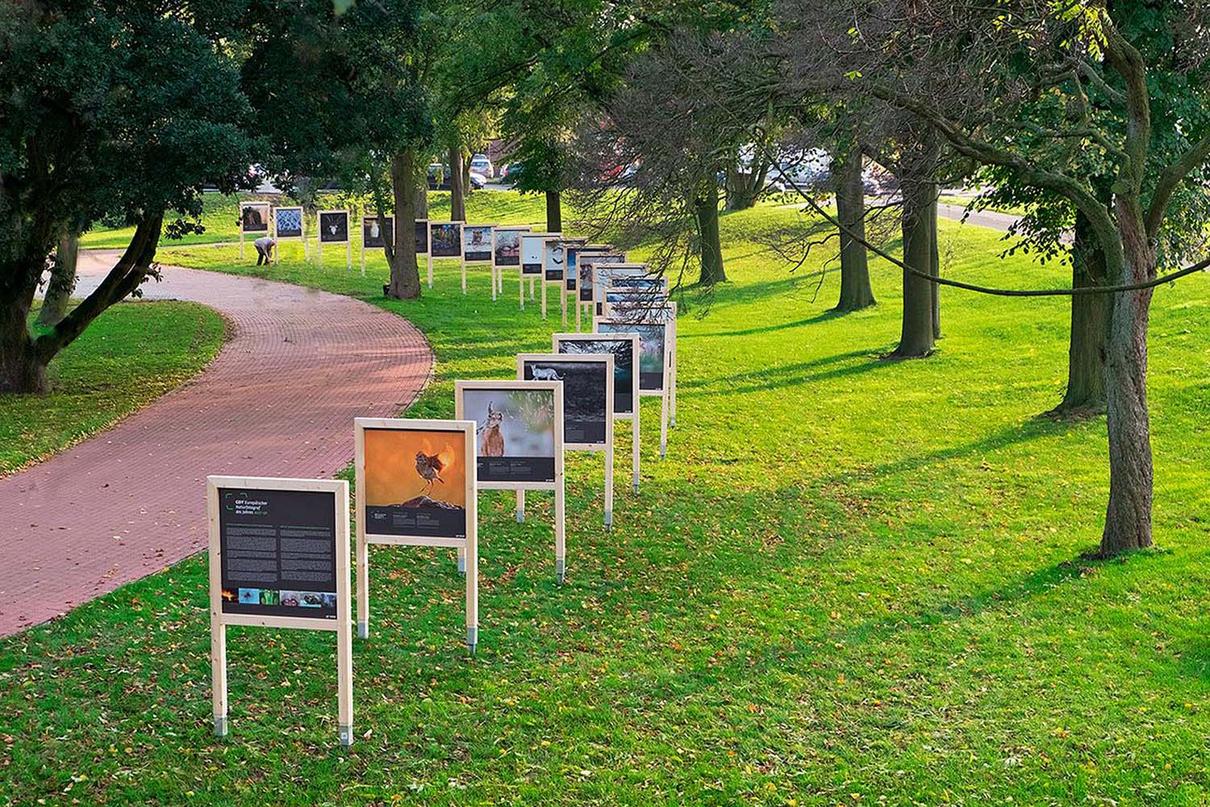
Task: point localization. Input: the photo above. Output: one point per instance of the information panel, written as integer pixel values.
(518, 429)
(585, 262)
(623, 348)
(415, 482)
(278, 551)
(533, 248)
(477, 243)
(653, 349)
(587, 393)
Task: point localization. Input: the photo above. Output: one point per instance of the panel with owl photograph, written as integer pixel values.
(514, 433)
(415, 482)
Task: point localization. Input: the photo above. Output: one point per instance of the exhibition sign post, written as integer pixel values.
(569, 246)
(445, 241)
(585, 278)
(506, 252)
(289, 223)
(552, 265)
(625, 350)
(376, 233)
(533, 255)
(587, 406)
(334, 229)
(650, 308)
(477, 247)
(253, 219)
(518, 442)
(279, 558)
(654, 360)
(415, 486)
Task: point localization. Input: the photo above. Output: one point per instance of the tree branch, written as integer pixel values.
(1170, 179)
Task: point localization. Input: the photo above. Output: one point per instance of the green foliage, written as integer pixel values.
(131, 355)
(851, 581)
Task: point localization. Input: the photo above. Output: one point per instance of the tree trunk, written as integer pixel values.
(935, 266)
(743, 187)
(1085, 395)
(401, 255)
(706, 210)
(62, 281)
(1128, 516)
(20, 370)
(457, 188)
(554, 212)
(422, 201)
(919, 234)
(855, 291)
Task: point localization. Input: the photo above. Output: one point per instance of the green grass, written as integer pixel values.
(133, 353)
(852, 581)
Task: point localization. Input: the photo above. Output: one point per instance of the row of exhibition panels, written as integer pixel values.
(544, 260)
(280, 548)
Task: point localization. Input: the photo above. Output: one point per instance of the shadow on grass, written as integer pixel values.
(783, 376)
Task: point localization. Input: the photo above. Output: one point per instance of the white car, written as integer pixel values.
(481, 164)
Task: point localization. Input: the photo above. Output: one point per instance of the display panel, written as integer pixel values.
(653, 338)
(422, 236)
(288, 222)
(586, 404)
(585, 262)
(533, 249)
(334, 226)
(445, 239)
(278, 551)
(552, 261)
(254, 217)
(376, 233)
(623, 352)
(515, 438)
(477, 243)
(415, 482)
(508, 247)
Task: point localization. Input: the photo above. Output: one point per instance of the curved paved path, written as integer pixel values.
(279, 400)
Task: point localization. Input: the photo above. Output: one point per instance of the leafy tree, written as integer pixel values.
(119, 109)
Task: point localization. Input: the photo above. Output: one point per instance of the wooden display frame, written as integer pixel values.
(302, 230)
(558, 486)
(569, 245)
(469, 545)
(341, 625)
(669, 307)
(364, 219)
(607, 258)
(523, 275)
(498, 269)
(268, 224)
(430, 255)
(607, 445)
(348, 242)
(664, 393)
(633, 415)
(489, 261)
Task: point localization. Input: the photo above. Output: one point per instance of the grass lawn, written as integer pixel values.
(852, 581)
(133, 353)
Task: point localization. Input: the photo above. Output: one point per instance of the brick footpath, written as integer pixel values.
(279, 400)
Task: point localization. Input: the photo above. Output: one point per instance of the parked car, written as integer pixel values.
(478, 180)
(482, 165)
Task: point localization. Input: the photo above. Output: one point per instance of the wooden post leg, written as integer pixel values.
(464, 277)
(520, 506)
(472, 589)
(241, 244)
(609, 486)
(635, 435)
(563, 302)
(362, 553)
(363, 259)
(521, 292)
(495, 285)
(664, 422)
(560, 530)
(218, 674)
(348, 256)
(531, 288)
(430, 269)
(579, 312)
(461, 560)
(344, 680)
(544, 295)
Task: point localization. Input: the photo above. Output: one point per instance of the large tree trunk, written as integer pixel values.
(62, 281)
(744, 187)
(1085, 395)
(919, 234)
(855, 291)
(1128, 516)
(457, 188)
(554, 212)
(706, 210)
(401, 255)
(20, 370)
